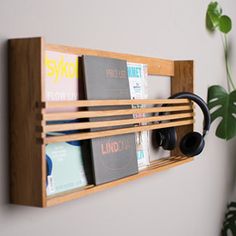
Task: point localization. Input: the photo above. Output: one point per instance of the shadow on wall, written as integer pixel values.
(232, 156)
(230, 184)
(5, 146)
(4, 124)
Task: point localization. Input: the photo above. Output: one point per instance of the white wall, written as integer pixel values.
(185, 201)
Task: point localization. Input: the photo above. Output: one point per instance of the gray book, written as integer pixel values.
(113, 157)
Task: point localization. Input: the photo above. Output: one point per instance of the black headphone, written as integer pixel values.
(192, 143)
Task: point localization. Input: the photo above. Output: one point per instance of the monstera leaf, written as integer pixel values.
(229, 226)
(223, 105)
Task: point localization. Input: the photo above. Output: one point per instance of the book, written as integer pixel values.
(113, 157)
(67, 165)
(138, 83)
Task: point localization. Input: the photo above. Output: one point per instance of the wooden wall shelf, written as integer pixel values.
(28, 118)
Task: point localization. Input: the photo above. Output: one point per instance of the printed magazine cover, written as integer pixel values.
(137, 74)
(113, 157)
(61, 83)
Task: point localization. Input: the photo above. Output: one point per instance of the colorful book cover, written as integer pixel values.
(138, 75)
(113, 157)
(67, 167)
(61, 76)
(61, 83)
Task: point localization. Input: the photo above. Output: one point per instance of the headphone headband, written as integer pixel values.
(201, 103)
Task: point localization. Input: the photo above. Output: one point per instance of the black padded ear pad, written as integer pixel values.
(192, 144)
(166, 138)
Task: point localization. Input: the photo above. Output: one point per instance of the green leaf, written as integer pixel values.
(223, 106)
(214, 8)
(225, 24)
(209, 24)
(213, 15)
(230, 220)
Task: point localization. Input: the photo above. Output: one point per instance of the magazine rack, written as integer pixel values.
(28, 118)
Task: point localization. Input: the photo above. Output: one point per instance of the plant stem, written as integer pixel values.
(227, 66)
(225, 55)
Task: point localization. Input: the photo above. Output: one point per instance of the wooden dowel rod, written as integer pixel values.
(160, 161)
(165, 161)
(106, 133)
(163, 164)
(89, 114)
(157, 161)
(100, 124)
(93, 103)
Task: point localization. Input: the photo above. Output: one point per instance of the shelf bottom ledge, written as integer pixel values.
(154, 167)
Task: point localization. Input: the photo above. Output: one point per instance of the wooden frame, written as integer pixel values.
(28, 118)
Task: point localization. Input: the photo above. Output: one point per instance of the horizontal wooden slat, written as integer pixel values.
(156, 66)
(103, 113)
(155, 167)
(106, 133)
(100, 124)
(93, 103)
(165, 161)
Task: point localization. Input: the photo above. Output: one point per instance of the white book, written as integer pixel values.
(138, 83)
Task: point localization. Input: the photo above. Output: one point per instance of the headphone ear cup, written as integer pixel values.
(192, 144)
(166, 138)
